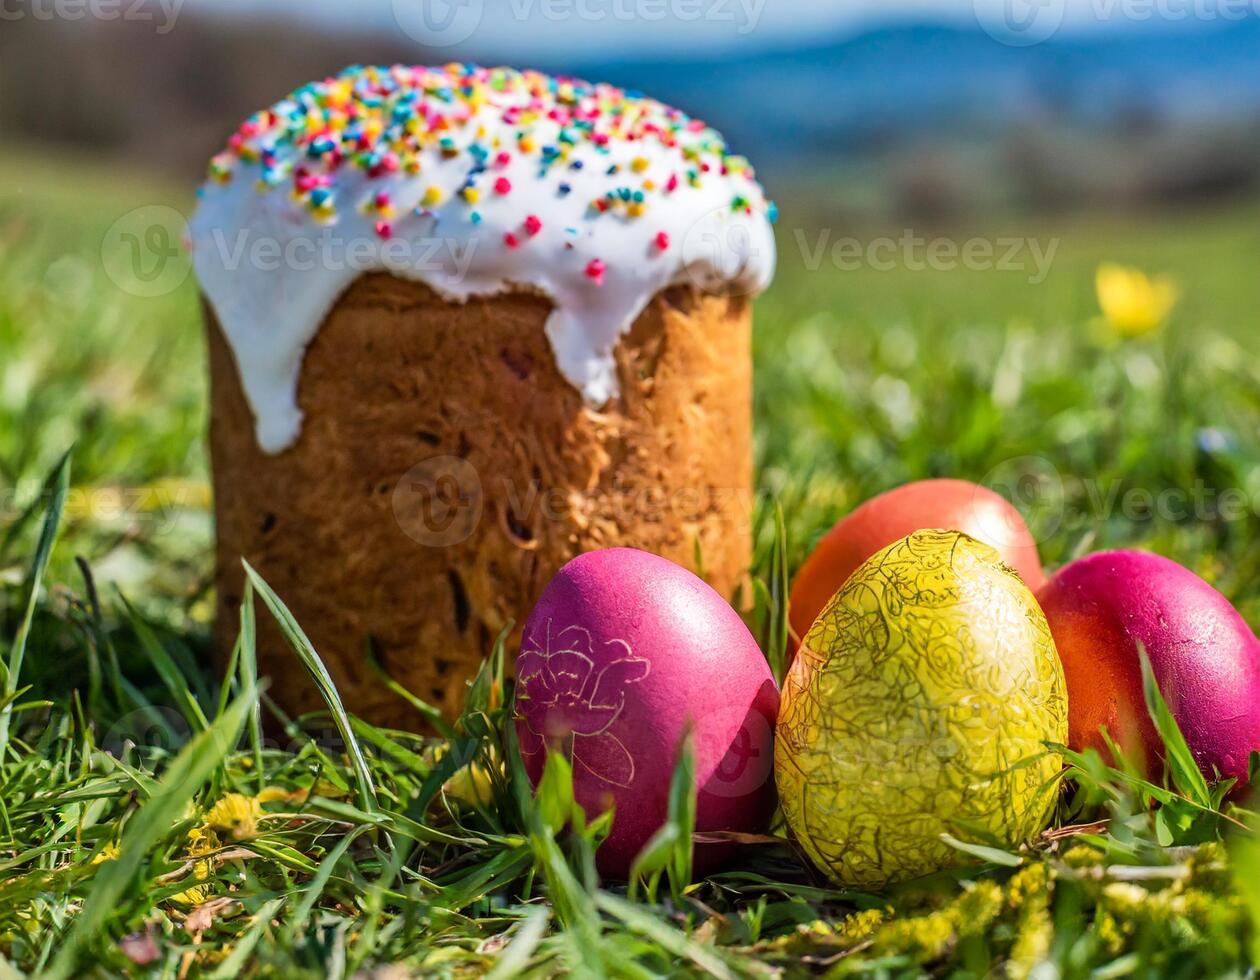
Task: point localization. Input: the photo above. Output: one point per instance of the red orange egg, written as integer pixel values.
(1205, 658)
(954, 505)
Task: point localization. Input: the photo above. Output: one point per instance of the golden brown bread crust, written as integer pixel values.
(446, 470)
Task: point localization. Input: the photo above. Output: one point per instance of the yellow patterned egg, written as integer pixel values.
(919, 705)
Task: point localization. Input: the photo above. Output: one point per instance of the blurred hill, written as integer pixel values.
(920, 120)
(844, 95)
(165, 101)
(936, 119)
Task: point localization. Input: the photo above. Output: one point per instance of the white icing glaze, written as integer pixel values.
(272, 268)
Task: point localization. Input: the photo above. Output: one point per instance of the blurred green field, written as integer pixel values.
(866, 378)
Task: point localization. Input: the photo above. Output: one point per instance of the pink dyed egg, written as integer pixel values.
(623, 650)
(1205, 658)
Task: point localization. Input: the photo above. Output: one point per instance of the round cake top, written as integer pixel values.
(385, 120)
(472, 180)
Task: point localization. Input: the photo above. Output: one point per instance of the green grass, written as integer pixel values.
(374, 847)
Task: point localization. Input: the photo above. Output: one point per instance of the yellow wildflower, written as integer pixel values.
(202, 842)
(1133, 303)
(860, 926)
(325, 788)
(107, 852)
(196, 895)
(1082, 856)
(471, 785)
(237, 814)
(274, 794)
(925, 937)
(977, 907)
(1032, 944)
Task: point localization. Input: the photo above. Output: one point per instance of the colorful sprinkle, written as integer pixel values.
(662, 240)
(380, 121)
(595, 271)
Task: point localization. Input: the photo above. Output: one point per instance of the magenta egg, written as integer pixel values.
(1205, 658)
(623, 651)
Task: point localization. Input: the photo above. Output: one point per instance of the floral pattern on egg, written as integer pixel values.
(569, 696)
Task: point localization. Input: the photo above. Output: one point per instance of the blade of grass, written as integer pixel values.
(305, 650)
(171, 676)
(991, 855)
(1244, 851)
(429, 713)
(515, 958)
(60, 483)
(1185, 771)
(553, 800)
(187, 774)
(777, 640)
(572, 902)
(235, 963)
(315, 888)
(639, 920)
(247, 665)
(670, 849)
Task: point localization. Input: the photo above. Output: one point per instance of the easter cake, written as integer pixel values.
(465, 324)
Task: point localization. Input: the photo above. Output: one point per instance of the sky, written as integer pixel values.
(517, 30)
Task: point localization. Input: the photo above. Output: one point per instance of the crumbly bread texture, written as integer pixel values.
(446, 470)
